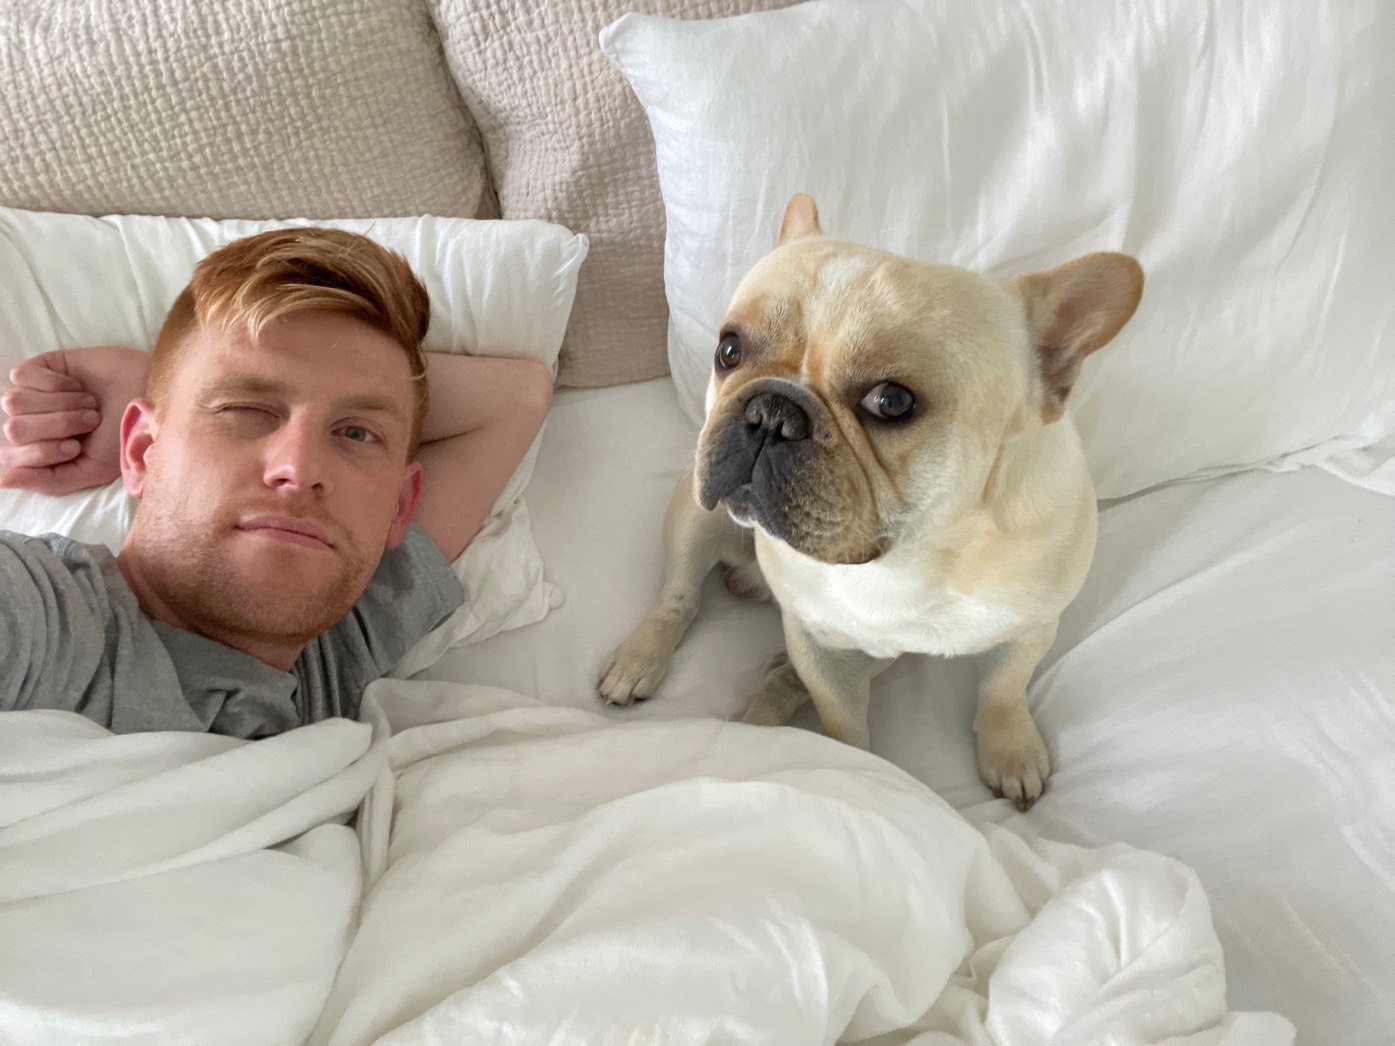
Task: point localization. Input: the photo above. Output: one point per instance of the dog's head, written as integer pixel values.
(855, 393)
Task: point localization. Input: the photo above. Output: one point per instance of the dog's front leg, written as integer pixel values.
(695, 541)
(839, 681)
(1012, 758)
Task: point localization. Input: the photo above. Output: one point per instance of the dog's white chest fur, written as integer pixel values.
(886, 608)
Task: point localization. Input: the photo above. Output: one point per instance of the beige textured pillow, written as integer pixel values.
(266, 109)
(569, 143)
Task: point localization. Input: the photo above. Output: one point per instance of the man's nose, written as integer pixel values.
(296, 458)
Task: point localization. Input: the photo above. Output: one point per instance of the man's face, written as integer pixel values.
(275, 479)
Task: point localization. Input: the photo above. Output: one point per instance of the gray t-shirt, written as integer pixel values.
(72, 637)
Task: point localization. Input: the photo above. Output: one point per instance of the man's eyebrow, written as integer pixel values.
(371, 405)
(247, 385)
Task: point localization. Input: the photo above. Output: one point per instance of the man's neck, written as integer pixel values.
(279, 654)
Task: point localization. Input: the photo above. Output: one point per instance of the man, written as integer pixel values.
(298, 503)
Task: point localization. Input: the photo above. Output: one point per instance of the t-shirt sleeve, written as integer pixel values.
(412, 591)
(51, 627)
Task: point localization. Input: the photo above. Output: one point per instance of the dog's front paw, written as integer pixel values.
(1012, 757)
(638, 665)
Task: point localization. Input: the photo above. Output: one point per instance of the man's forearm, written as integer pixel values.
(468, 392)
(484, 415)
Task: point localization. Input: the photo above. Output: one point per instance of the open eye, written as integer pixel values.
(890, 402)
(728, 352)
(358, 434)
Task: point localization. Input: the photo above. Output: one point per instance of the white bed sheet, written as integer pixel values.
(553, 877)
(1222, 691)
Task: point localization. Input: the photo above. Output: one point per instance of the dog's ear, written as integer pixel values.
(801, 218)
(1072, 310)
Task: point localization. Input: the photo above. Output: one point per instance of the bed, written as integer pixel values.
(1222, 690)
(493, 848)
(1221, 695)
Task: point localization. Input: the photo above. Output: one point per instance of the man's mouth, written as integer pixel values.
(286, 529)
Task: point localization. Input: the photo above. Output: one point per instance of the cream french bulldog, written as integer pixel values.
(887, 449)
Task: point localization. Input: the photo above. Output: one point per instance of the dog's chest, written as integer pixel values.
(884, 609)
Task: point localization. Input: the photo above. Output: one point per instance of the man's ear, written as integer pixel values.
(407, 499)
(1072, 310)
(801, 218)
(139, 427)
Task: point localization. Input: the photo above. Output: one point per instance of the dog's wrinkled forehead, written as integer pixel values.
(816, 285)
(816, 304)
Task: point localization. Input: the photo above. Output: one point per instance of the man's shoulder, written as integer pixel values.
(412, 580)
(50, 577)
(50, 551)
(76, 640)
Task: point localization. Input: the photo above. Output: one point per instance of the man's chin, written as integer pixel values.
(285, 599)
(277, 617)
(237, 588)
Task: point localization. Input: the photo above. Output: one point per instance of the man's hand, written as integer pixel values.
(63, 418)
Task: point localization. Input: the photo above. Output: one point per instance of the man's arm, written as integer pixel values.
(483, 417)
(52, 634)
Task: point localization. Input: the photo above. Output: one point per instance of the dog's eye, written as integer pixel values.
(890, 402)
(728, 352)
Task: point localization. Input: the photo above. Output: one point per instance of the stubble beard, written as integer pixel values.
(182, 562)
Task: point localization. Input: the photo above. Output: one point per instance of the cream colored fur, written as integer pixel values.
(963, 531)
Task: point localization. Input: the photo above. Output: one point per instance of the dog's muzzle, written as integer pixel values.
(754, 459)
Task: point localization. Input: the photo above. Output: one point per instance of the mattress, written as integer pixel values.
(1222, 691)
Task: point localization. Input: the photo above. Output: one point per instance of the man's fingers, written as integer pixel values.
(39, 374)
(44, 454)
(66, 424)
(19, 400)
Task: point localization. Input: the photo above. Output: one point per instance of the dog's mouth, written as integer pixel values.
(773, 458)
(741, 505)
(789, 502)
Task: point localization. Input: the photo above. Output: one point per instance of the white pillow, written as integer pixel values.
(497, 289)
(1242, 152)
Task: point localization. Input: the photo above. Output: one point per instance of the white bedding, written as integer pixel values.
(174, 888)
(1223, 691)
(555, 878)
(540, 875)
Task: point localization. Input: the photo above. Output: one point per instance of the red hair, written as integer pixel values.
(242, 287)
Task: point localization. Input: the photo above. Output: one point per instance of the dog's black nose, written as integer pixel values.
(777, 417)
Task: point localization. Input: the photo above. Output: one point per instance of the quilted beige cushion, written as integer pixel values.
(233, 108)
(569, 143)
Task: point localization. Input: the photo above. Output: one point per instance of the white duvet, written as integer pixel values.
(544, 875)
